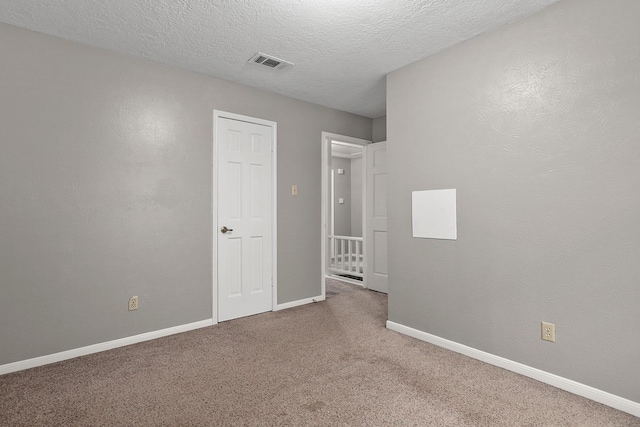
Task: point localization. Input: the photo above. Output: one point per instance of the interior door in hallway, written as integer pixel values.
(244, 220)
(376, 275)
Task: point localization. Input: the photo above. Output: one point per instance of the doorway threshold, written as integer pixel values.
(345, 279)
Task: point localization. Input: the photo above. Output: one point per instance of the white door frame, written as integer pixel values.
(217, 114)
(327, 137)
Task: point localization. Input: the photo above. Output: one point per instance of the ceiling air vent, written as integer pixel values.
(269, 61)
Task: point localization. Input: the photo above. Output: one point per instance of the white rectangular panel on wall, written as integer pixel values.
(433, 214)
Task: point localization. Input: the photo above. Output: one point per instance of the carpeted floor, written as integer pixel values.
(327, 364)
(335, 287)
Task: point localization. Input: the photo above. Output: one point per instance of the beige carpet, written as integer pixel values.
(335, 287)
(328, 364)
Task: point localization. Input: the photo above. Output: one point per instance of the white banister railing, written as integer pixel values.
(346, 255)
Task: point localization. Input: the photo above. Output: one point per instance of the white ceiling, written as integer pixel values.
(342, 49)
(348, 151)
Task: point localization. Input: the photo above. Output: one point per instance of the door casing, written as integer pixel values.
(217, 114)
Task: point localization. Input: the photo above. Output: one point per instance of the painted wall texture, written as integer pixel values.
(379, 129)
(106, 192)
(356, 197)
(537, 125)
(342, 190)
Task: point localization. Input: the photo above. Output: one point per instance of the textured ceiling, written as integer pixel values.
(342, 49)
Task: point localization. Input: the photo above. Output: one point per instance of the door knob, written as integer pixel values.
(224, 229)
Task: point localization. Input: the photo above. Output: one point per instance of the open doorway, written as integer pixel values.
(343, 198)
(346, 242)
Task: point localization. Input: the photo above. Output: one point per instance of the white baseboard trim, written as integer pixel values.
(571, 386)
(96, 348)
(298, 303)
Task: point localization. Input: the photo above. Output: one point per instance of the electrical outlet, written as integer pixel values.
(548, 332)
(133, 303)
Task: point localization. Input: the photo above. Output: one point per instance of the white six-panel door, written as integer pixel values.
(376, 275)
(244, 218)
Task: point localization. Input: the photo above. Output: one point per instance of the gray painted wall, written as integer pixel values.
(106, 192)
(356, 197)
(379, 129)
(537, 126)
(342, 187)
